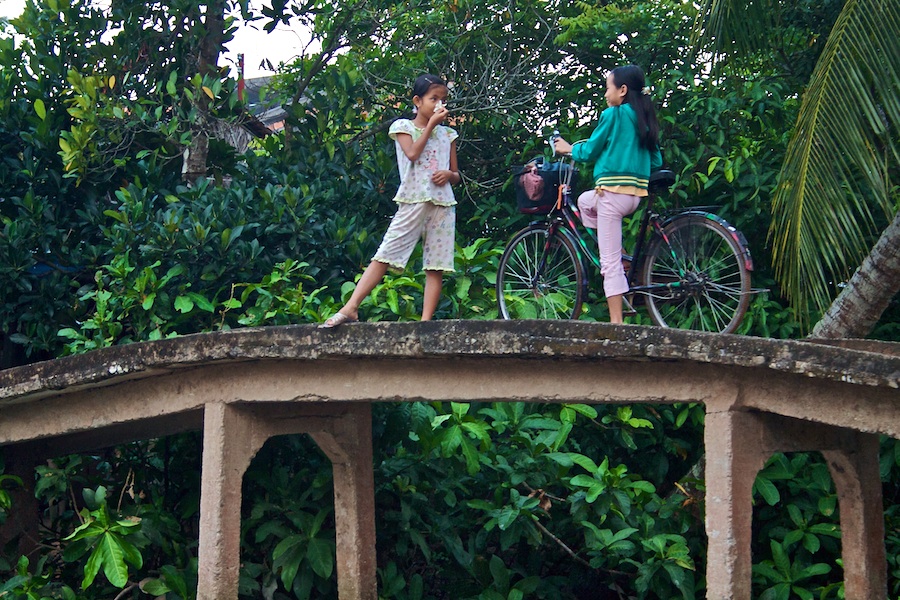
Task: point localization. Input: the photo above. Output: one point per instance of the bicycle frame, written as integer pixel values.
(566, 217)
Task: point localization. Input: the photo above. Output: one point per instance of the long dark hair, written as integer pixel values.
(648, 126)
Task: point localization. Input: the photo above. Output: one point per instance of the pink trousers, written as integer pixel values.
(603, 210)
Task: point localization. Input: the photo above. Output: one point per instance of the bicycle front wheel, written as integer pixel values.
(702, 280)
(540, 276)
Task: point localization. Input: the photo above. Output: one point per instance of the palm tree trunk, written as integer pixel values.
(859, 306)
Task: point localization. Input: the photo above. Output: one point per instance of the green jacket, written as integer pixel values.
(618, 158)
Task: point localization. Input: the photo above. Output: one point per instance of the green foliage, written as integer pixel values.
(835, 192)
(39, 585)
(506, 500)
(797, 526)
(6, 482)
(535, 494)
(786, 578)
(837, 177)
(288, 533)
(106, 539)
(147, 542)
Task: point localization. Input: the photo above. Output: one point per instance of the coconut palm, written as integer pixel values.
(836, 192)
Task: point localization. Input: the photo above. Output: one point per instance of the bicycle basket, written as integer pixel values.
(537, 185)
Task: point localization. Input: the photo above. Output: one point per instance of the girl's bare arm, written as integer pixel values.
(413, 149)
(450, 175)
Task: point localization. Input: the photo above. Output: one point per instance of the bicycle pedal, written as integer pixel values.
(627, 309)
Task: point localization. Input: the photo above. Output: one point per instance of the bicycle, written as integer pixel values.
(694, 273)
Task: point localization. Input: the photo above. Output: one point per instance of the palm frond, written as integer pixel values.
(834, 193)
(740, 26)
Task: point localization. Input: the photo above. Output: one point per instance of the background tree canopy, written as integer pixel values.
(118, 226)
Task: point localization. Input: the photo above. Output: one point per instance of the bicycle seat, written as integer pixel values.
(660, 180)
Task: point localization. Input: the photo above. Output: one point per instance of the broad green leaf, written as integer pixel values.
(767, 490)
(113, 559)
(583, 409)
(682, 579)
(506, 517)
(583, 461)
(288, 556)
(453, 437)
(471, 455)
(439, 420)
(154, 587)
(644, 486)
(320, 554)
(13, 583)
(804, 593)
(780, 557)
(287, 544)
(184, 304)
(793, 537)
(463, 285)
(594, 492)
(460, 409)
(479, 430)
(829, 529)
(201, 302)
(92, 567)
(811, 543)
(529, 585)
(562, 458)
(814, 570)
(583, 481)
(499, 572)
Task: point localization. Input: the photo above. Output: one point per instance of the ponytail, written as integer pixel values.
(647, 124)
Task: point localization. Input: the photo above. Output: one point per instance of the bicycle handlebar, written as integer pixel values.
(552, 141)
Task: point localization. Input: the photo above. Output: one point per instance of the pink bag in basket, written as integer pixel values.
(532, 183)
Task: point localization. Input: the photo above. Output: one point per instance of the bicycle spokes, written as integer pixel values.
(696, 278)
(540, 276)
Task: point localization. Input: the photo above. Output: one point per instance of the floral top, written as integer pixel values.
(415, 177)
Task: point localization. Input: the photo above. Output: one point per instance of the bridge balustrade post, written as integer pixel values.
(230, 441)
(734, 455)
(858, 482)
(232, 436)
(852, 458)
(349, 447)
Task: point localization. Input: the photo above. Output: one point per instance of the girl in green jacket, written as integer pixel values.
(624, 149)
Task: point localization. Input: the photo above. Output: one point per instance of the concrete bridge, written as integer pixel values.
(243, 387)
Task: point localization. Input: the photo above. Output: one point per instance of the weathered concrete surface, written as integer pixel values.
(535, 339)
(242, 387)
(499, 360)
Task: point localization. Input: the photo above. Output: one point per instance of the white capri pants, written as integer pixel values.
(435, 225)
(604, 210)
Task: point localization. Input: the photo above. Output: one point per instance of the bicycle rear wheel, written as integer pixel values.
(540, 278)
(707, 284)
